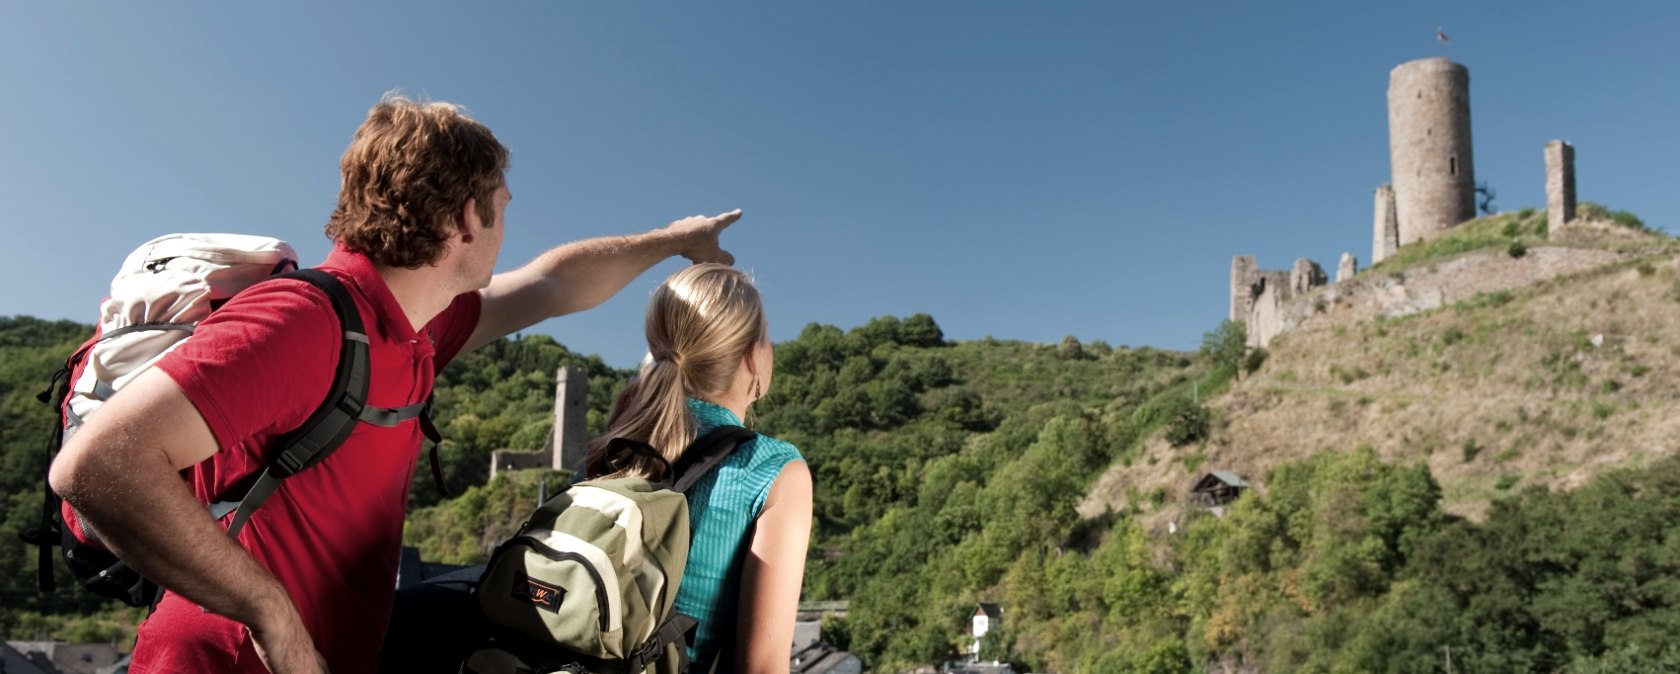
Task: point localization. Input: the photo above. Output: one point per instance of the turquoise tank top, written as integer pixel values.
(722, 507)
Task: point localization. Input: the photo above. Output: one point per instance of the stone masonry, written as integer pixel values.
(1560, 186)
(1433, 190)
(1305, 276)
(1258, 296)
(1429, 146)
(1385, 235)
(1243, 276)
(571, 413)
(565, 447)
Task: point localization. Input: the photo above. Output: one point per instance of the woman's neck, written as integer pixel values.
(739, 396)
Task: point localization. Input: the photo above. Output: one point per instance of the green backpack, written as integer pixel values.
(589, 582)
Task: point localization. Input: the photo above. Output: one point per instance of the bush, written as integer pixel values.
(1517, 249)
(1348, 375)
(1071, 349)
(1485, 299)
(1587, 210)
(1471, 449)
(1254, 360)
(1226, 344)
(1189, 424)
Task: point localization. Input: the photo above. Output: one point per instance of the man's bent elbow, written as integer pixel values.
(68, 475)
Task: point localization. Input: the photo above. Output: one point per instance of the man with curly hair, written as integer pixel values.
(309, 582)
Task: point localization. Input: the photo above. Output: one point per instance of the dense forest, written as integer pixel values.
(947, 474)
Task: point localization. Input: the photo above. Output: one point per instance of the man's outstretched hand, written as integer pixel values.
(697, 237)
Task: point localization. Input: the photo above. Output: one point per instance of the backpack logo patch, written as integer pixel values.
(542, 595)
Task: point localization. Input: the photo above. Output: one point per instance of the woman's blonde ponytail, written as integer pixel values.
(700, 323)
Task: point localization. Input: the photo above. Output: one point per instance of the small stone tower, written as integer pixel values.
(1305, 276)
(1385, 235)
(566, 444)
(1244, 272)
(571, 418)
(1429, 146)
(1560, 186)
(1347, 267)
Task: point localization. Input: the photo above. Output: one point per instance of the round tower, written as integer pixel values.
(1429, 146)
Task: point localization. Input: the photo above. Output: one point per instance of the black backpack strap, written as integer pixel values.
(45, 536)
(344, 407)
(431, 432)
(138, 327)
(332, 422)
(391, 416)
(677, 629)
(706, 452)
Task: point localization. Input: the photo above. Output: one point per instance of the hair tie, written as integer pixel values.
(673, 357)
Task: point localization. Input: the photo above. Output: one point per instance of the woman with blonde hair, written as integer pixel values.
(709, 360)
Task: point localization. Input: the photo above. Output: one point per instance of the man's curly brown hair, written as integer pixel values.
(407, 173)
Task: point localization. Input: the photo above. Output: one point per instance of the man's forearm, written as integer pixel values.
(586, 273)
(583, 274)
(145, 514)
(120, 473)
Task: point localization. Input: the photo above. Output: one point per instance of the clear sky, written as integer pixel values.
(1020, 170)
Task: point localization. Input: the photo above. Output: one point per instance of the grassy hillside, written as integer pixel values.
(1549, 384)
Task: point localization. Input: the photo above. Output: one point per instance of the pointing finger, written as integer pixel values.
(727, 219)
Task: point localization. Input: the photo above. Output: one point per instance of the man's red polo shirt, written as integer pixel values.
(331, 534)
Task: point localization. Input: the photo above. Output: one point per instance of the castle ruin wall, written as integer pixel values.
(1560, 186)
(1305, 276)
(1385, 234)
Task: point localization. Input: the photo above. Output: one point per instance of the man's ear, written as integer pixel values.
(469, 220)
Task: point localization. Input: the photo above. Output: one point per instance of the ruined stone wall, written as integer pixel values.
(1264, 293)
(1385, 229)
(1305, 276)
(1266, 320)
(1243, 276)
(520, 459)
(1560, 186)
(564, 450)
(1427, 287)
(1429, 146)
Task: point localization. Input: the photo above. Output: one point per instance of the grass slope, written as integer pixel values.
(1548, 384)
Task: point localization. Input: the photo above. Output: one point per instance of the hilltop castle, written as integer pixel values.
(1432, 188)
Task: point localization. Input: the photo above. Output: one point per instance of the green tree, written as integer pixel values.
(1226, 345)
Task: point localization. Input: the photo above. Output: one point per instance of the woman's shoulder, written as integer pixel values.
(766, 448)
(762, 458)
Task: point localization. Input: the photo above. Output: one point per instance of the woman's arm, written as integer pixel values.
(773, 573)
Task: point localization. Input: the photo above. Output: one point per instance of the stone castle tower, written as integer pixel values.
(1433, 189)
(1429, 148)
(564, 450)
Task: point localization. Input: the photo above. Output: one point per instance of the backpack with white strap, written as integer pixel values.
(163, 290)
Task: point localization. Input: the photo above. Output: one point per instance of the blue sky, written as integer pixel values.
(1020, 170)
